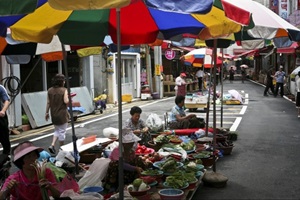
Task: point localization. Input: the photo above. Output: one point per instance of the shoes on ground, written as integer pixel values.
(52, 149)
(266, 95)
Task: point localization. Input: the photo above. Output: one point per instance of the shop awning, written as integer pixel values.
(288, 50)
(245, 53)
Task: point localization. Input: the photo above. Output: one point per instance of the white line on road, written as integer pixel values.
(236, 124)
(244, 108)
(88, 122)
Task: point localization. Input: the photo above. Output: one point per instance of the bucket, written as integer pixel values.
(155, 95)
(96, 189)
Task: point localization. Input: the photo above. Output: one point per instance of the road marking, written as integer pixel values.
(236, 124)
(244, 108)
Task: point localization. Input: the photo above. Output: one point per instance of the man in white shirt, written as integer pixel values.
(180, 85)
(199, 75)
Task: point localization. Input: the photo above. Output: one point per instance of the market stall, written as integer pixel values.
(177, 161)
(193, 101)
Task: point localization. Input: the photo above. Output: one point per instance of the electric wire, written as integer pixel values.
(13, 86)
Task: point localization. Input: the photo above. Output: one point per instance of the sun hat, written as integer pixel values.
(129, 137)
(182, 74)
(24, 149)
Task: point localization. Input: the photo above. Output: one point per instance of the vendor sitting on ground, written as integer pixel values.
(178, 118)
(138, 126)
(25, 183)
(133, 165)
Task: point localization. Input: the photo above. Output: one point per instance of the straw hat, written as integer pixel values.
(24, 149)
(129, 137)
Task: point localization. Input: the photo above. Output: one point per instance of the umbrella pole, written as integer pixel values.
(74, 138)
(208, 98)
(221, 97)
(121, 172)
(214, 102)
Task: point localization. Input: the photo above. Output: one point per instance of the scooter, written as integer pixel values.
(100, 102)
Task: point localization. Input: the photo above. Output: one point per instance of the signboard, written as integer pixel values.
(284, 9)
(157, 70)
(170, 54)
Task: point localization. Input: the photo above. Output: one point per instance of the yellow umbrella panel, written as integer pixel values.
(217, 24)
(39, 26)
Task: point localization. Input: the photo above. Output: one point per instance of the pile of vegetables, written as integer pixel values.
(151, 172)
(188, 145)
(152, 157)
(137, 185)
(186, 176)
(174, 139)
(176, 182)
(203, 154)
(192, 167)
(169, 166)
(142, 149)
(163, 139)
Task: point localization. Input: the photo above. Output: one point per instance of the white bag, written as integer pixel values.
(111, 132)
(95, 174)
(73, 195)
(65, 157)
(154, 123)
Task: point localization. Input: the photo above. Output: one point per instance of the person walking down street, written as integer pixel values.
(26, 183)
(138, 126)
(231, 74)
(279, 75)
(298, 94)
(4, 129)
(57, 104)
(269, 83)
(243, 73)
(178, 119)
(180, 85)
(200, 75)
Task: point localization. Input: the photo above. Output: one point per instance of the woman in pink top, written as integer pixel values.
(24, 184)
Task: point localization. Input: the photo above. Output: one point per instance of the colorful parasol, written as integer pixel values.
(140, 24)
(200, 57)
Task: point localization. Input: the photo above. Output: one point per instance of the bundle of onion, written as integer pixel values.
(40, 168)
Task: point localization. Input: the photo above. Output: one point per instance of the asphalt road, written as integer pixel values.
(264, 162)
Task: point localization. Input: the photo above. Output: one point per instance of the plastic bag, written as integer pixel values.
(58, 172)
(65, 157)
(126, 196)
(95, 174)
(110, 132)
(83, 196)
(154, 122)
(68, 183)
